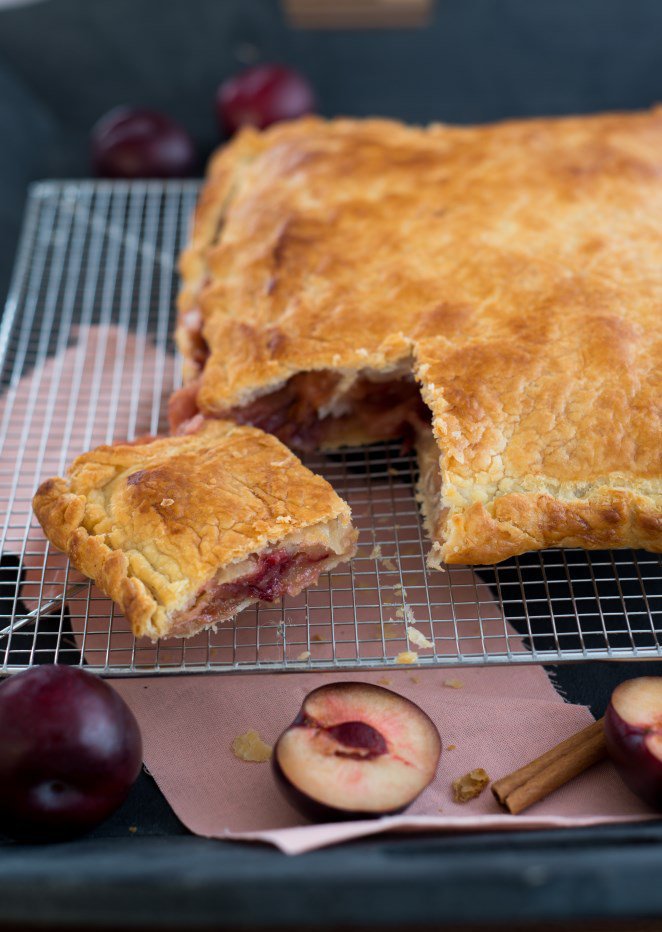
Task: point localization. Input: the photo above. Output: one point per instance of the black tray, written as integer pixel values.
(477, 60)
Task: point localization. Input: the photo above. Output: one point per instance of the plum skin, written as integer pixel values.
(262, 95)
(638, 767)
(316, 811)
(133, 142)
(71, 749)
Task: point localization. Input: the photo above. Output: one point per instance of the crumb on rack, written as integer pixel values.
(133, 829)
(389, 565)
(470, 785)
(418, 638)
(317, 637)
(375, 553)
(251, 747)
(407, 656)
(391, 630)
(400, 612)
(304, 655)
(451, 747)
(454, 683)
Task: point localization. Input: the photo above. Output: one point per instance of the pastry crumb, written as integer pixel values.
(133, 829)
(407, 656)
(384, 681)
(376, 552)
(400, 612)
(470, 785)
(454, 683)
(451, 747)
(418, 638)
(304, 655)
(389, 565)
(317, 637)
(251, 747)
(166, 502)
(415, 679)
(391, 471)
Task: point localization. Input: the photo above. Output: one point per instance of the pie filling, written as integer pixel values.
(274, 573)
(197, 349)
(312, 410)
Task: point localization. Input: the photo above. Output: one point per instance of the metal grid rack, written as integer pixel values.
(86, 358)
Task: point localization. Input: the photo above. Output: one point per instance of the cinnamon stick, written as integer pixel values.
(547, 773)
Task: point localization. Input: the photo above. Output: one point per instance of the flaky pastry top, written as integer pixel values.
(516, 267)
(152, 522)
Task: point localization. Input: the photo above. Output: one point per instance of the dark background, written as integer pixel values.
(63, 63)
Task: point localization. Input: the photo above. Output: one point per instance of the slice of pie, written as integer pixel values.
(495, 290)
(183, 532)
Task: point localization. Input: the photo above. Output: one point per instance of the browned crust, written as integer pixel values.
(151, 523)
(519, 264)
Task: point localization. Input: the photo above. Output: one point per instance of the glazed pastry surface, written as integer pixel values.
(155, 522)
(515, 269)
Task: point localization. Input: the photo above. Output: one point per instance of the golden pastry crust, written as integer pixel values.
(153, 522)
(517, 267)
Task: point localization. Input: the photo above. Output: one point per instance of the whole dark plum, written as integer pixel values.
(131, 142)
(70, 750)
(263, 95)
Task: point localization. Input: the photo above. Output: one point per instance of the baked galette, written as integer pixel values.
(494, 291)
(183, 532)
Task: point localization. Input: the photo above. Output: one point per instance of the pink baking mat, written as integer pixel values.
(497, 719)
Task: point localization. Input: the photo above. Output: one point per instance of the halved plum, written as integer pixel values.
(633, 733)
(356, 751)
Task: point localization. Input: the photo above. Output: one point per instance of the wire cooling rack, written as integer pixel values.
(86, 357)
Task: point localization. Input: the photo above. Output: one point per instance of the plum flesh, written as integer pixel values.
(70, 751)
(633, 734)
(356, 751)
